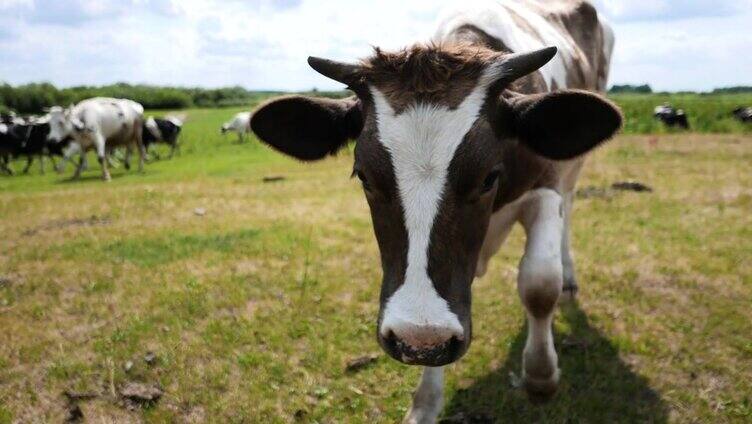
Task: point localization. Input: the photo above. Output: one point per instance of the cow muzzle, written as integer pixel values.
(425, 345)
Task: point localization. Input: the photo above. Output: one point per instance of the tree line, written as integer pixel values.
(36, 97)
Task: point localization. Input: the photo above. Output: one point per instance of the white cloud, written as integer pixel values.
(642, 10)
(263, 44)
(11, 4)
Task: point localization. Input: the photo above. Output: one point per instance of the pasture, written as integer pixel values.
(253, 296)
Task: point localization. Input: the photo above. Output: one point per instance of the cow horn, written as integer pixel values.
(346, 73)
(518, 65)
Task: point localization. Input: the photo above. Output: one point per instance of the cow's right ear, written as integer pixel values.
(308, 128)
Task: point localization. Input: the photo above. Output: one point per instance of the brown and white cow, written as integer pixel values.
(457, 140)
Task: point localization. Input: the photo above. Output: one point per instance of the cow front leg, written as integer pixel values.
(539, 284)
(141, 155)
(428, 399)
(102, 157)
(570, 280)
(4, 165)
(79, 166)
(29, 161)
(127, 160)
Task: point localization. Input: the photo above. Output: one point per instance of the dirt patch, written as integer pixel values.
(632, 186)
(274, 179)
(137, 395)
(5, 281)
(361, 363)
(594, 192)
(68, 223)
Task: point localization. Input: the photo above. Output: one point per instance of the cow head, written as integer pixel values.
(63, 124)
(436, 131)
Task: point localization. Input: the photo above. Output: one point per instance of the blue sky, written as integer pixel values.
(263, 44)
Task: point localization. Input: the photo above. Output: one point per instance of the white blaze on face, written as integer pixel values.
(422, 141)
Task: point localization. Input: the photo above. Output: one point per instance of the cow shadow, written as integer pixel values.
(597, 386)
(89, 178)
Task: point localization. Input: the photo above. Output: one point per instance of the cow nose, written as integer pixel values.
(422, 344)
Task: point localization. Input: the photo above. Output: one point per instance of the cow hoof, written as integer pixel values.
(569, 291)
(541, 390)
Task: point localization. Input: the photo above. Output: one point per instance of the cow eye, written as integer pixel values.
(490, 182)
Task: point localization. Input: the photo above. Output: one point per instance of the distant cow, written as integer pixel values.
(672, 117)
(165, 131)
(10, 118)
(240, 124)
(29, 141)
(744, 114)
(102, 124)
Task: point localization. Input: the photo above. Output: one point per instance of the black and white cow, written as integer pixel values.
(743, 114)
(29, 141)
(11, 118)
(457, 140)
(671, 117)
(166, 131)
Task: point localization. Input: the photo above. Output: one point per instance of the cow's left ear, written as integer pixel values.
(564, 124)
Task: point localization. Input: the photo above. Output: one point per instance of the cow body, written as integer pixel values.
(164, 131)
(457, 141)
(743, 114)
(31, 141)
(585, 44)
(671, 117)
(239, 124)
(101, 124)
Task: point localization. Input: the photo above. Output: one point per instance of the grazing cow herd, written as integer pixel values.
(99, 124)
(678, 118)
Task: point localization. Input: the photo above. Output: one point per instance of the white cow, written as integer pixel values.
(102, 124)
(240, 124)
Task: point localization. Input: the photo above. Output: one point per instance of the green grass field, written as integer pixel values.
(254, 307)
